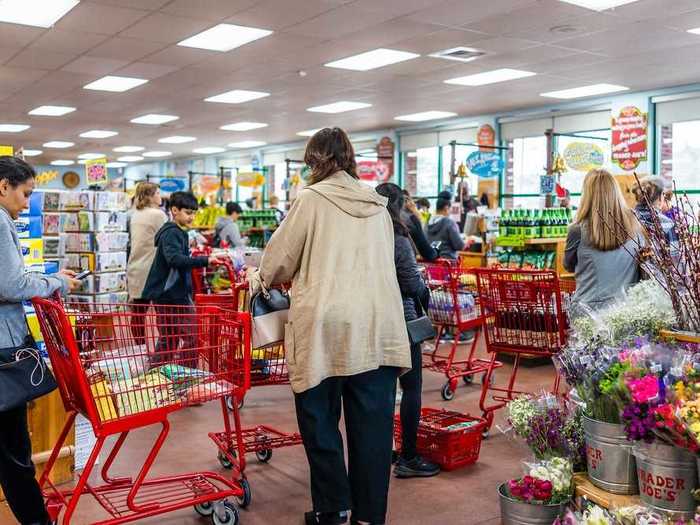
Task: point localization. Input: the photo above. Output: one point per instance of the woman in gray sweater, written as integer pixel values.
(602, 244)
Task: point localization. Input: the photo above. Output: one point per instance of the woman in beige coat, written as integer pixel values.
(346, 338)
(145, 221)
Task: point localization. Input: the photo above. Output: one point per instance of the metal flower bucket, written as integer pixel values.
(515, 512)
(667, 477)
(611, 465)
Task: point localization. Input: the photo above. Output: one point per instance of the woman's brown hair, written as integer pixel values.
(329, 151)
(648, 190)
(609, 220)
(143, 194)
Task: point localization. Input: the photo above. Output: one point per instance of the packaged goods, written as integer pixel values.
(29, 227)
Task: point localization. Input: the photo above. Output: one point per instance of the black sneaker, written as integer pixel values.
(326, 518)
(415, 468)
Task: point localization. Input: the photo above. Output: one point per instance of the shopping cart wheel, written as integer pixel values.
(264, 455)
(229, 515)
(491, 380)
(229, 403)
(447, 393)
(485, 434)
(247, 497)
(225, 462)
(205, 509)
(468, 379)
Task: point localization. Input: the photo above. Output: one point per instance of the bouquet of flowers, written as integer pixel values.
(547, 482)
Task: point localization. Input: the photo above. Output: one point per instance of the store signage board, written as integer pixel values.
(385, 153)
(6, 150)
(486, 137)
(373, 170)
(96, 171)
(172, 185)
(485, 164)
(629, 137)
(546, 184)
(583, 156)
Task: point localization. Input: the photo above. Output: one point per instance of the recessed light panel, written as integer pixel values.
(115, 84)
(695, 31)
(98, 134)
(599, 5)
(58, 144)
(490, 77)
(116, 164)
(32, 152)
(243, 126)
(309, 132)
(339, 107)
(12, 128)
(38, 13)
(208, 151)
(62, 162)
(156, 154)
(91, 156)
(224, 37)
(154, 119)
(237, 96)
(128, 149)
(585, 91)
(426, 115)
(176, 139)
(247, 144)
(372, 59)
(130, 158)
(51, 111)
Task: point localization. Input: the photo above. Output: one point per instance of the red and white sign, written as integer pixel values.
(629, 138)
(485, 137)
(385, 154)
(373, 170)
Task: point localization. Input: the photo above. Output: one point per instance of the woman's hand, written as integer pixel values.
(411, 206)
(69, 277)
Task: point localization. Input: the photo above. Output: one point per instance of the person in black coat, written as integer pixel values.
(415, 296)
(409, 216)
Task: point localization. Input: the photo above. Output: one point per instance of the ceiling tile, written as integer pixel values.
(40, 59)
(207, 9)
(455, 13)
(440, 40)
(159, 27)
(146, 70)
(119, 48)
(397, 7)
(14, 78)
(339, 22)
(150, 5)
(276, 14)
(69, 42)
(107, 20)
(18, 36)
(180, 56)
(7, 53)
(94, 65)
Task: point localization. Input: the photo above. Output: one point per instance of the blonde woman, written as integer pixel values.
(602, 243)
(146, 220)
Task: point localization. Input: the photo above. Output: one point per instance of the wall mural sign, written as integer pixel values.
(96, 171)
(583, 156)
(172, 185)
(485, 164)
(629, 137)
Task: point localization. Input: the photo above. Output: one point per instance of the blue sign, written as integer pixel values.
(172, 185)
(485, 164)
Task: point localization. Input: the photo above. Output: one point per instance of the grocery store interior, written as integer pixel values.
(500, 120)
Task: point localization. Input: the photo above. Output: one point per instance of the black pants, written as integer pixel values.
(17, 470)
(176, 335)
(367, 400)
(412, 386)
(139, 310)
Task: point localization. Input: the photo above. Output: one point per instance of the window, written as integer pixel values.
(427, 176)
(679, 145)
(461, 154)
(572, 179)
(527, 161)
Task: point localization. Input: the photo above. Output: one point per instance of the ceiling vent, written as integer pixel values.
(460, 54)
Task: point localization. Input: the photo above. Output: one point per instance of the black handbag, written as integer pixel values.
(420, 330)
(269, 311)
(24, 375)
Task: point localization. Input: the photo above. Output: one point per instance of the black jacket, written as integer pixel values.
(444, 230)
(415, 230)
(173, 252)
(414, 293)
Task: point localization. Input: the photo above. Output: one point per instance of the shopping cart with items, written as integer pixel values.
(525, 316)
(455, 308)
(120, 382)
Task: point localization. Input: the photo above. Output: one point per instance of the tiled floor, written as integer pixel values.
(281, 489)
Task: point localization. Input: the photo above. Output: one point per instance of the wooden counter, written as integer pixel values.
(583, 488)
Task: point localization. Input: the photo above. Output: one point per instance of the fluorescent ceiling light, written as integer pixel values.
(116, 164)
(115, 84)
(209, 150)
(62, 162)
(128, 149)
(599, 5)
(157, 153)
(247, 144)
(667, 161)
(154, 119)
(237, 96)
(225, 37)
(31, 152)
(339, 107)
(12, 128)
(243, 126)
(91, 156)
(585, 91)
(129, 158)
(38, 13)
(309, 132)
(59, 144)
(695, 31)
(51, 111)
(426, 115)
(176, 139)
(490, 77)
(372, 59)
(98, 134)
(82, 161)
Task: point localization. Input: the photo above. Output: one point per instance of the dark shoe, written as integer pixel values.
(415, 468)
(355, 522)
(325, 518)
(467, 337)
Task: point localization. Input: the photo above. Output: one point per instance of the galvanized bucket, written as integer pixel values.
(514, 512)
(611, 465)
(667, 477)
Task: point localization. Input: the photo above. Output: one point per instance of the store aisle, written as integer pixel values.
(280, 491)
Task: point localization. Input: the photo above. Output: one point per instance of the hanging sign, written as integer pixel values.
(171, 185)
(373, 170)
(584, 156)
(250, 179)
(486, 164)
(485, 137)
(6, 150)
(629, 138)
(45, 177)
(385, 153)
(96, 171)
(547, 183)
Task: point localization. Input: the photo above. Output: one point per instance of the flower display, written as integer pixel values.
(558, 471)
(530, 489)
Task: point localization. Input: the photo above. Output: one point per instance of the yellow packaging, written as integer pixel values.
(32, 251)
(34, 329)
(103, 399)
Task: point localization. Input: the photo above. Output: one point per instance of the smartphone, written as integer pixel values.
(83, 275)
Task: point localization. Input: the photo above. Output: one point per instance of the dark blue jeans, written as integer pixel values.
(412, 386)
(367, 401)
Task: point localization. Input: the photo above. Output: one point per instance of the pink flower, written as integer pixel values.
(644, 390)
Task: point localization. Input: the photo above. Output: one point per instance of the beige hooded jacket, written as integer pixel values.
(337, 247)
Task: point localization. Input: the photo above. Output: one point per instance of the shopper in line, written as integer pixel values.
(226, 229)
(410, 216)
(16, 468)
(146, 219)
(443, 232)
(602, 243)
(649, 193)
(169, 283)
(346, 339)
(415, 296)
(423, 207)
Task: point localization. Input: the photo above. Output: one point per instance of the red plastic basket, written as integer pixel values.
(443, 438)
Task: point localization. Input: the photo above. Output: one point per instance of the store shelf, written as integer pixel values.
(518, 242)
(683, 337)
(583, 488)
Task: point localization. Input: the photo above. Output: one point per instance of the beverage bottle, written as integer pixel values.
(561, 230)
(537, 224)
(519, 223)
(531, 224)
(503, 224)
(549, 224)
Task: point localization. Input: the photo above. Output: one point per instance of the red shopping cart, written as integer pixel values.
(453, 307)
(525, 316)
(190, 355)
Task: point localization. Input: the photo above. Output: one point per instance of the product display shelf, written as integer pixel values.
(557, 244)
(583, 488)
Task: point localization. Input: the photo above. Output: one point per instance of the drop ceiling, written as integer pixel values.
(641, 45)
